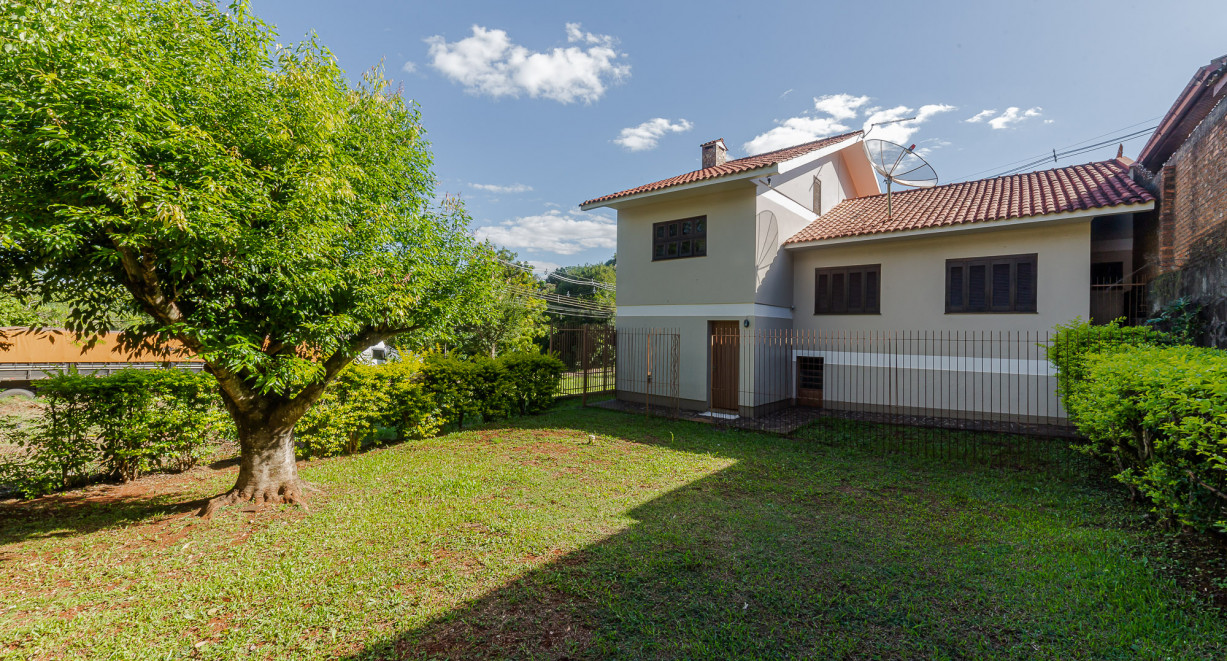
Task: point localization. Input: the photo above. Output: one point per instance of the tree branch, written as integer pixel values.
(1205, 486)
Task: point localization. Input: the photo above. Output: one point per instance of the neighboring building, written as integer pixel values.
(798, 241)
(1182, 245)
(27, 356)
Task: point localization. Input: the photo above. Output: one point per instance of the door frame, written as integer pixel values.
(735, 365)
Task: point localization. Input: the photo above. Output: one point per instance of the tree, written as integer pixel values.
(255, 206)
(512, 317)
(574, 282)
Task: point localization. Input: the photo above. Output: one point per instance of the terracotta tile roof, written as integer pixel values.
(729, 167)
(1075, 188)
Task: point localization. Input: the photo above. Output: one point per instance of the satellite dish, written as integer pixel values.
(899, 165)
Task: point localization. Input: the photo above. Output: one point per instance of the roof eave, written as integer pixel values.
(1065, 216)
(616, 202)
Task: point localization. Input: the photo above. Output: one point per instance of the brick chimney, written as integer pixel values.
(714, 153)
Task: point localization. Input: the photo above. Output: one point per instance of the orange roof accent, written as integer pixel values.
(729, 167)
(1075, 188)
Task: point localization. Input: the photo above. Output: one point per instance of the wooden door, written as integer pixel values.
(725, 355)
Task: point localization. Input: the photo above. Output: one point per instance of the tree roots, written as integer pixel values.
(273, 494)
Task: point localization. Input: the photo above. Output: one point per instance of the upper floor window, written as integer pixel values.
(847, 289)
(674, 239)
(991, 284)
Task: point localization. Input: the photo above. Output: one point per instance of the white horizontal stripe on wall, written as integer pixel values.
(706, 310)
(915, 361)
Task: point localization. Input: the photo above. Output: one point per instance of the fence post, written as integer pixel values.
(647, 390)
(583, 363)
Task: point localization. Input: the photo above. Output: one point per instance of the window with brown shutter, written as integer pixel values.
(847, 289)
(991, 284)
(675, 239)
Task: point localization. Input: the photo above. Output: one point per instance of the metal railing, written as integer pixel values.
(985, 380)
(588, 354)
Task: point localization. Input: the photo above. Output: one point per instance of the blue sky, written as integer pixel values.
(532, 108)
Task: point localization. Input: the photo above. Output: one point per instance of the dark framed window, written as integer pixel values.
(847, 289)
(674, 239)
(991, 284)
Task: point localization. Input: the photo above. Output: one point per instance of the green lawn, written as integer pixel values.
(657, 539)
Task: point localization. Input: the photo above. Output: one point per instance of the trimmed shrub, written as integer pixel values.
(1159, 414)
(417, 399)
(1074, 341)
(362, 400)
(534, 380)
(122, 425)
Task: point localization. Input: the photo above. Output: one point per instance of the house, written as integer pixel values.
(1183, 243)
(751, 264)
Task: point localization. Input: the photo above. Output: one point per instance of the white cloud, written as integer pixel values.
(495, 188)
(541, 268)
(553, 231)
(489, 63)
(834, 110)
(901, 132)
(1011, 116)
(1049, 121)
(646, 135)
(931, 145)
(793, 131)
(840, 106)
(786, 92)
(981, 116)
(409, 67)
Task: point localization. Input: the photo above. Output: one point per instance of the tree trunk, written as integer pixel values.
(267, 471)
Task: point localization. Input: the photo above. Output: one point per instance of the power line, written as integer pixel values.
(576, 281)
(1074, 152)
(1038, 158)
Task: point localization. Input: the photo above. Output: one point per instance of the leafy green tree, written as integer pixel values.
(259, 209)
(513, 316)
(567, 285)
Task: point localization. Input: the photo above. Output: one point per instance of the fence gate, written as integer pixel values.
(589, 354)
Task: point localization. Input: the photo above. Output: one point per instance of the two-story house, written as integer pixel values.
(800, 240)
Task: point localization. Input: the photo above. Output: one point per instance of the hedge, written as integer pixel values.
(1160, 415)
(1074, 341)
(136, 421)
(1155, 411)
(417, 399)
(119, 426)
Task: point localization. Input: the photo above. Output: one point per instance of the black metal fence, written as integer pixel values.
(588, 353)
(984, 380)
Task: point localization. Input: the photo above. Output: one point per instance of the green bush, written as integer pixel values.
(122, 425)
(534, 380)
(417, 399)
(362, 400)
(1160, 415)
(1074, 341)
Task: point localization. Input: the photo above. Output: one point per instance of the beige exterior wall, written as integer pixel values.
(725, 275)
(785, 208)
(913, 284)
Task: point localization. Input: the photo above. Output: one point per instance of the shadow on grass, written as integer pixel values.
(69, 516)
(812, 549)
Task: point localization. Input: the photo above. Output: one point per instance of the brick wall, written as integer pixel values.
(1189, 240)
(1199, 223)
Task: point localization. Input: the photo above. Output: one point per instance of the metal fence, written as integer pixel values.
(984, 380)
(588, 354)
(648, 369)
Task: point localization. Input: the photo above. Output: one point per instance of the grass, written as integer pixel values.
(589, 533)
